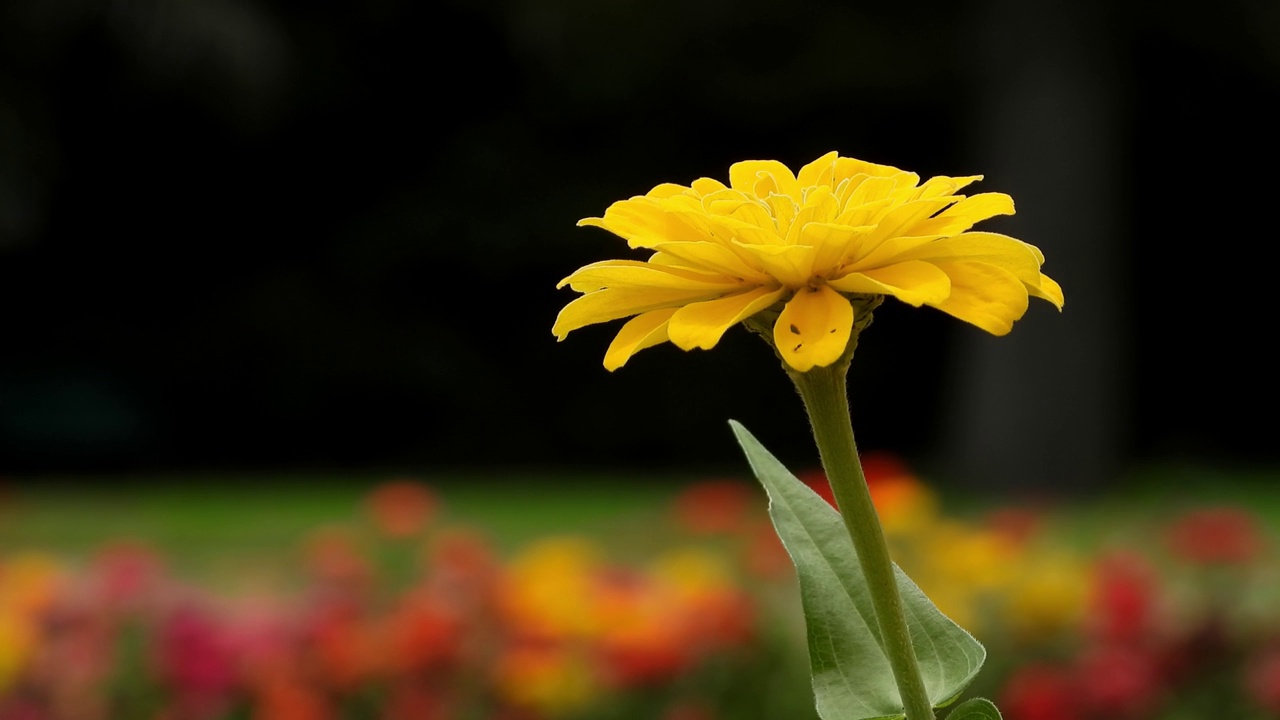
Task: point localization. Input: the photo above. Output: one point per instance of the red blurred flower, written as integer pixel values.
(1039, 692)
(1215, 535)
(423, 634)
(1118, 682)
(1124, 598)
(1262, 681)
(715, 506)
(401, 508)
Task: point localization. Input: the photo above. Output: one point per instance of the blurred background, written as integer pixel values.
(284, 432)
(246, 235)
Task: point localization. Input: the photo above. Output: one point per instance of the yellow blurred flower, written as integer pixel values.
(549, 589)
(550, 679)
(1049, 595)
(16, 640)
(806, 243)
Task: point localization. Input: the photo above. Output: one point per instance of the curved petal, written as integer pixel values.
(634, 273)
(984, 295)
(818, 172)
(761, 177)
(613, 303)
(642, 331)
(1048, 289)
(643, 221)
(813, 329)
(713, 258)
(791, 265)
(700, 325)
(914, 282)
(1002, 251)
(966, 213)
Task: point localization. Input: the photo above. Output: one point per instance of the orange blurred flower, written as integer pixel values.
(402, 508)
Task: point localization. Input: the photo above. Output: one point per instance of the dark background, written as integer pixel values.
(237, 234)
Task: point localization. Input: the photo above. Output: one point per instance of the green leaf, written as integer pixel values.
(852, 678)
(975, 709)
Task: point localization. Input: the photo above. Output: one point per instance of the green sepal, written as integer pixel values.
(852, 677)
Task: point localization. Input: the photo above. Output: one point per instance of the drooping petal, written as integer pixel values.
(985, 295)
(1048, 289)
(640, 332)
(700, 325)
(914, 282)
(814, 327)
(613, 303)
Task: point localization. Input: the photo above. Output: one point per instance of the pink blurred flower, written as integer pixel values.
(195, 659)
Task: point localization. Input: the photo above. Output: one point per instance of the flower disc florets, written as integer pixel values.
(841, 226)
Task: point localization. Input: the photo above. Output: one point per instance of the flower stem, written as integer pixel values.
(826, 400)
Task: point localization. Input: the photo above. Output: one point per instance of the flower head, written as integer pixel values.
(803, 244)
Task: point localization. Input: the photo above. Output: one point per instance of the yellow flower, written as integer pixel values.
(804, 242)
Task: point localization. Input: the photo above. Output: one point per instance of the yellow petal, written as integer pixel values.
(642, 222)
(942, 185)
(1002, 251)
(831, 243)
(848, 167)
(706, 186)
(700, 325)
(813, 329)
(791, 265)
(966, 213)
(714, 258)
(666, 190)
(913, 282)
(642, 331)
(761, 177)
(820, 205)
(1048, 289)
(613, 303)
(898, 222)
(818, 172)
(633, 273)
(984, 295)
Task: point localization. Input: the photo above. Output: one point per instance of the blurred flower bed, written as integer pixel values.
(399, 615)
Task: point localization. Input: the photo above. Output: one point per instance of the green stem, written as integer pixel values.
(827, 402)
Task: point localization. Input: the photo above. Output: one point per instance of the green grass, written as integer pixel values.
(215, 526)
